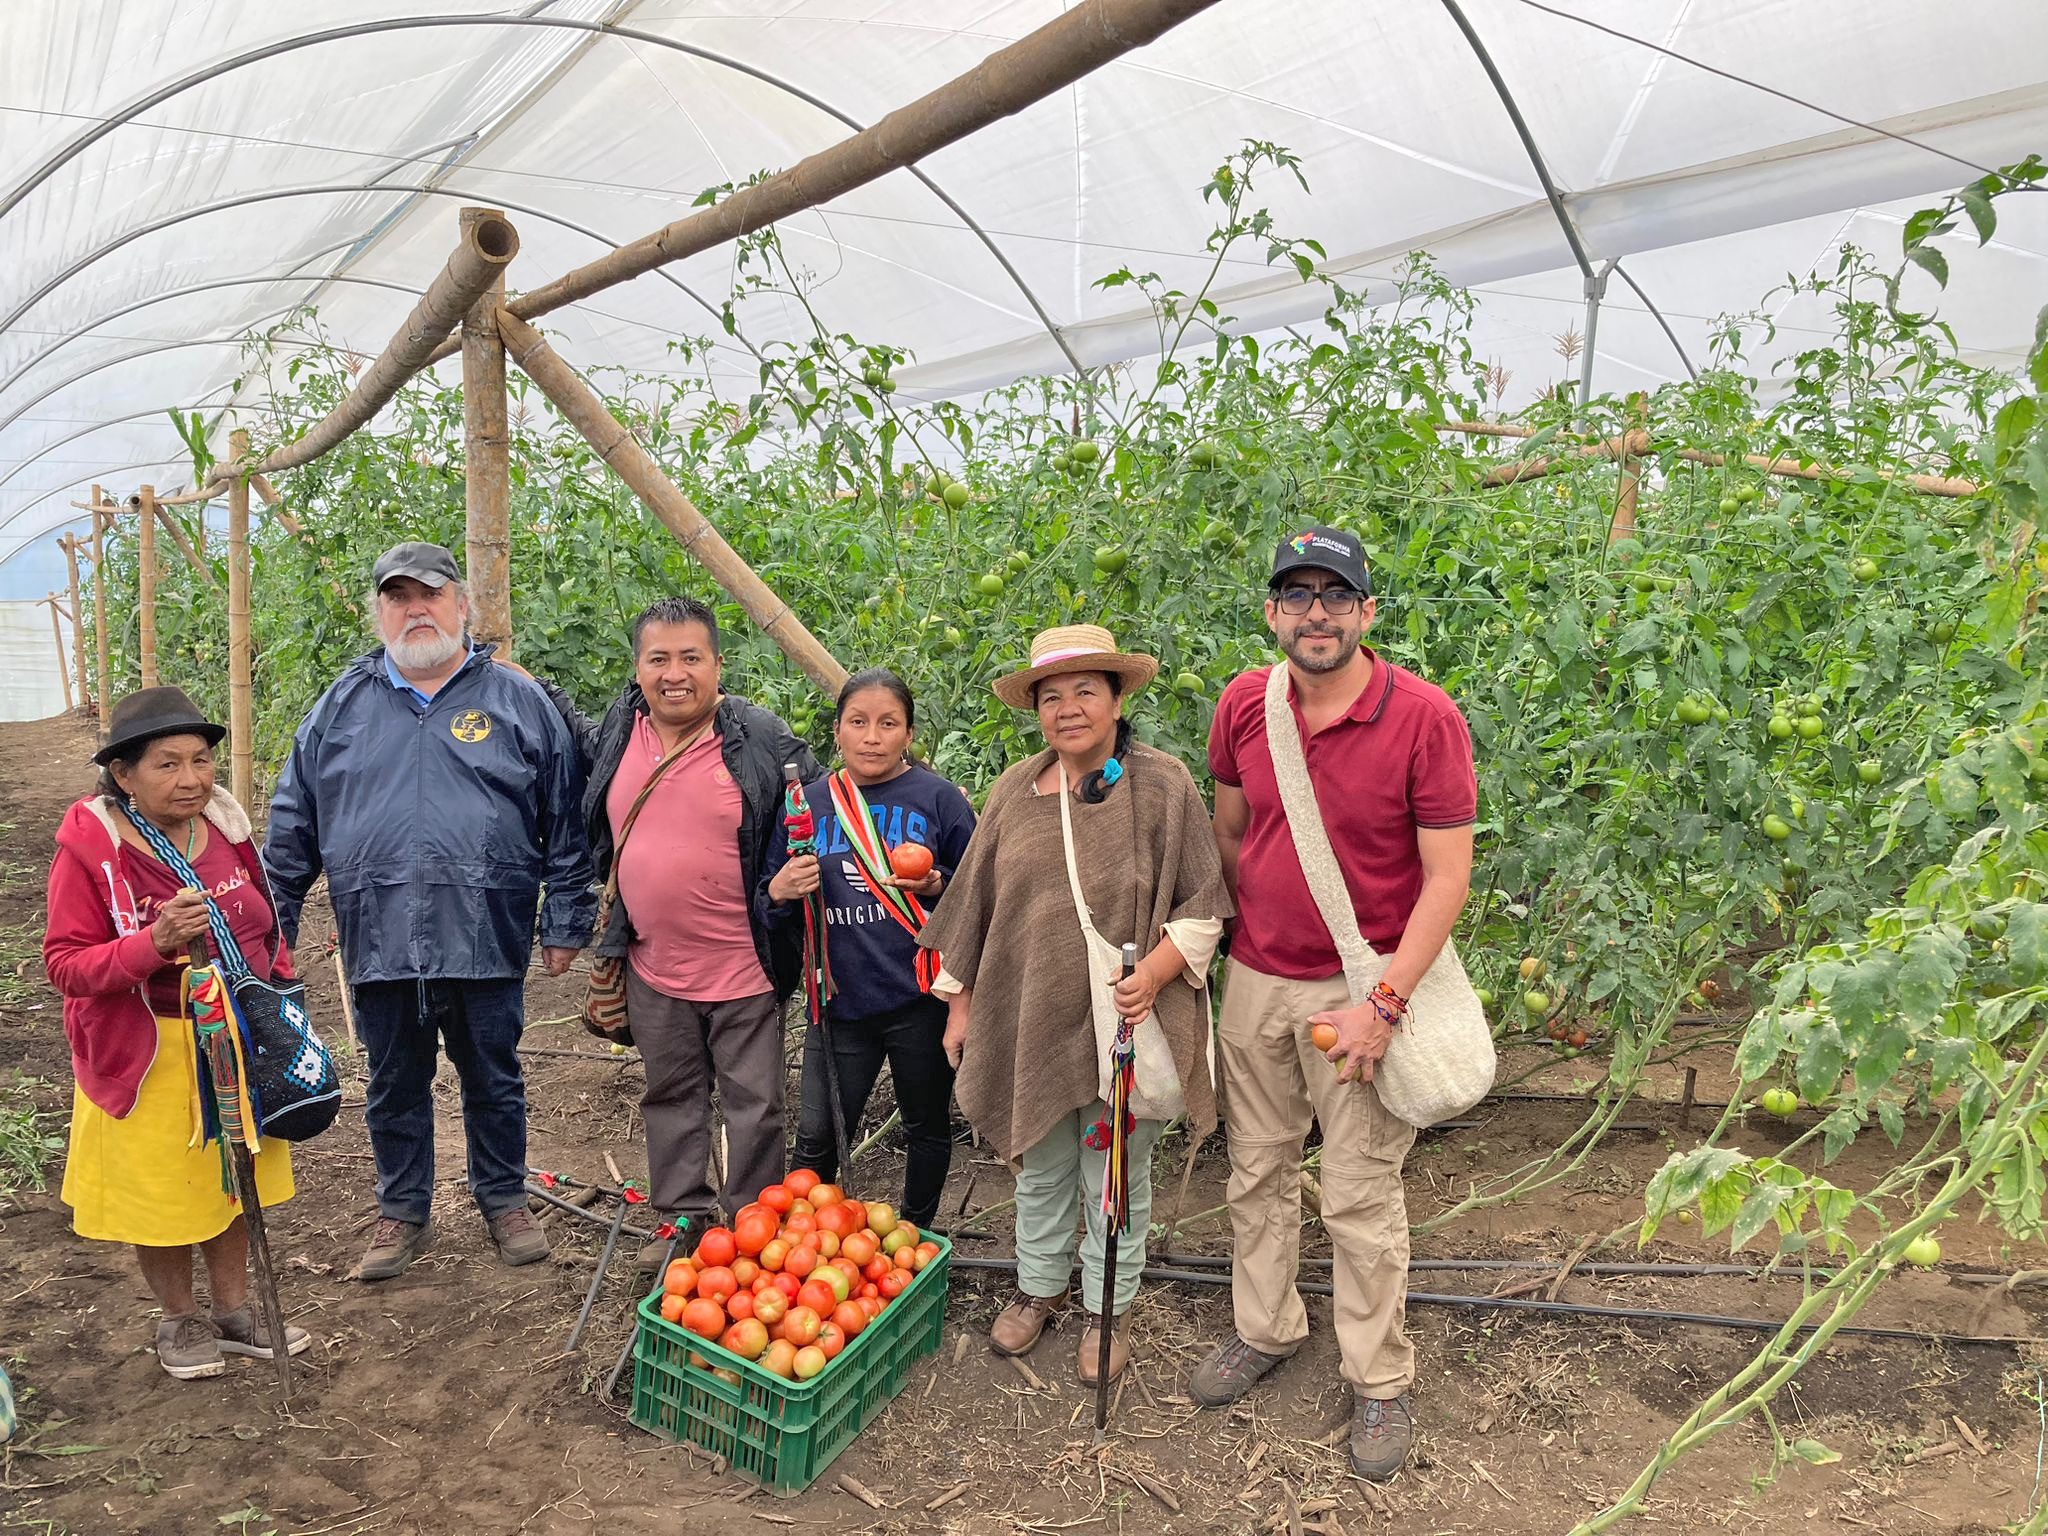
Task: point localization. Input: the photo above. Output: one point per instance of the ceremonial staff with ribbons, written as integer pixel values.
(802, 828)
(1117, 1125)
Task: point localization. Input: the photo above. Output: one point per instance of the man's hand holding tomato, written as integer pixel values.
(1363, 1036)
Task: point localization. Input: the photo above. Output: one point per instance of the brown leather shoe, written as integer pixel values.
(520, 1238)
(1091, 1350)
(1017, 1327)
(393, 1246)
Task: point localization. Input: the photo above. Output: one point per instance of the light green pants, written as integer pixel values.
(1059, 1183)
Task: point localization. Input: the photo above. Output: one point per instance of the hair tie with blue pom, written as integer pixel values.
(1112, 771)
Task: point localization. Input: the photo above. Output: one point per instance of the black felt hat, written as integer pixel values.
(149, 713)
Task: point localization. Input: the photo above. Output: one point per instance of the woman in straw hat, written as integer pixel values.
(1093, 843)
(140, 1169)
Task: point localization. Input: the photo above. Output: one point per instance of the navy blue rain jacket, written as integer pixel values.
(437, 830)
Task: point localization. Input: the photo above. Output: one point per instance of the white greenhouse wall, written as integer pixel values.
(30, 687)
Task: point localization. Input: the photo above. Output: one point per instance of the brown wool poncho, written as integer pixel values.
(1007, 931)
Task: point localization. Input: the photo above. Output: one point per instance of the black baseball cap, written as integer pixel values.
(427, 563)
(1324, 549)
(148, 713)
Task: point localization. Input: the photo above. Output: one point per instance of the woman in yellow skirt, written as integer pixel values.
(141, 1169)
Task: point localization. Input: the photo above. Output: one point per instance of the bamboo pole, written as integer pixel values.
(481, 256)
(70, 543)
(486, 476)
(1629, 481)
(145, 587)
(1637, 443)
(63, 666)
(636, 466)
(241, 712)
(1037, 65)
(99, 600)
(275, 503)
(192, 555)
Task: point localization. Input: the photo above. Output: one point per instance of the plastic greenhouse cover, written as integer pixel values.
(1715, 147)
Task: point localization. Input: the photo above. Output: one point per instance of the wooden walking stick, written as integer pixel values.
(1116, 1187)
(213, 1014)
(803, 838)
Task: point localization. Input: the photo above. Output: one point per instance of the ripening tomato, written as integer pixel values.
(892, 1284)
(801, 1182)
(869, 1292)
(872, 1306)
(827, 1244)
(846, 1266)
(774, 1253)
(704, 1318)
(800, 1260)
(818, 1296)
(858, 1212)
(849, 1319)
(927, 1251)
(800, 1325)
(672, 1307)
(905, 1236)
(905, 1259)
(755, 1230)
(799, 1224)
(876, 1267)
(809, 1361)
(788, 1284)
(744, 1271)
(771, 1306)
(779, 1359)
(680, 1278)
(778, 1198)
(762, 1282)
(746, 1338)
(822, 1195)
(860, 1247)
(716, 1284)
(831, 1339)
(802, 1208)
(740, 1306)
(835, 1280)
(716, 1248)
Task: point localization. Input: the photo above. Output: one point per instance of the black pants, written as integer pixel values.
(909, 1039)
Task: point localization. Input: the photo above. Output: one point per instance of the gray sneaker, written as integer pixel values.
(1231, 1370)
(520, 1238)
(242, 1333)
(393, 1246)
(187, 1347)
(1382, 1430)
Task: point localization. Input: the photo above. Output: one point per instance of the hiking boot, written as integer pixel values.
(1090, 1364)
(1381, 1432)
(187, 1348)
(393, 1246)
(1232, 1369)
(519, 1237)
(242, 1332)
(1017, 1327)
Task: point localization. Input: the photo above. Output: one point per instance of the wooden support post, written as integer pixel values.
(636, 466)
(63, 666)
(1627, 484)
(145, 587)
(486, 479)
(99, 601)
(241, 713)
(192, 556)
(70, 542)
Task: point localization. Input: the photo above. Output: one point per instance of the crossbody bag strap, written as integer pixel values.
(1311, 840)
(611, 881)
(233, 966)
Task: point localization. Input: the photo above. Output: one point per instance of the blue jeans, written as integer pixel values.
(402, 1024)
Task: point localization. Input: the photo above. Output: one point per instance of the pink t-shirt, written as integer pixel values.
(679, 875)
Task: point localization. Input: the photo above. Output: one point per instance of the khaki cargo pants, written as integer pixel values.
(1273, 1080)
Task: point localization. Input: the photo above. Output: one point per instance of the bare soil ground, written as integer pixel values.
(445, 1402)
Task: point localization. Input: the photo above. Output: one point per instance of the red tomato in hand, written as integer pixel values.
(910, 861)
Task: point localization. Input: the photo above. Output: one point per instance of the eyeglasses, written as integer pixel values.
(1337, 601)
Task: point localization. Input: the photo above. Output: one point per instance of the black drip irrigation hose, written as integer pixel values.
(1666, 1267)
(592, 1217)
(1562, 1308)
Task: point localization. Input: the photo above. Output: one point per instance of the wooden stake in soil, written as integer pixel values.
(145, 587)
(70, 542)
(99, 601)
(63, 666)
(241, 709)
(486, 479)
(635, 465)
(1624, 524)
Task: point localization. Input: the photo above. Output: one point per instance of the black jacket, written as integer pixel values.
(755, 744)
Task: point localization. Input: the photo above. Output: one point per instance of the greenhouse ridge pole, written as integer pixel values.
(486, 473)
(70, 546)
(241, 709)
(637, 467)
(145, 586)
(1055, 56)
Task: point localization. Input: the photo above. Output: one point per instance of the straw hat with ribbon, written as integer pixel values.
(1075, 648)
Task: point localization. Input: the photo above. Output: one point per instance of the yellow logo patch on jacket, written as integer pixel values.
(470, 725)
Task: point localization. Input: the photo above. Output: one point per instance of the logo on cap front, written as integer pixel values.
(1302, 543)
(472, 725)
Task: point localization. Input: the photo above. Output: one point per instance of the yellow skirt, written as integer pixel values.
(139, 1180)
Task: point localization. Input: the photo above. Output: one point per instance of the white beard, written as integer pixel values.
(425, 654)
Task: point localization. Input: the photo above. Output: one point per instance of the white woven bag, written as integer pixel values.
(1440, 1062)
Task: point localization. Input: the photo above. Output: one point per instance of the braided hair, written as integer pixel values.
(1095, 787)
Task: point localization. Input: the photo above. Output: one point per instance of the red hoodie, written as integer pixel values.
(99, 954)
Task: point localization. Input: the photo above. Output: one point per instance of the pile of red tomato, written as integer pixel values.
(796, 1276)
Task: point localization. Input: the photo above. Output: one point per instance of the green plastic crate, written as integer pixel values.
(783, 1433)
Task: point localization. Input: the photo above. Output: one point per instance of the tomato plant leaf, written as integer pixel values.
(1814, 1453)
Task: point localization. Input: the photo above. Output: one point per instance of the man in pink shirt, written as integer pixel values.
(705, 977)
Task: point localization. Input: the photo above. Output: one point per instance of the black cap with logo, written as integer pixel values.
(427, 563)
(1324, 549)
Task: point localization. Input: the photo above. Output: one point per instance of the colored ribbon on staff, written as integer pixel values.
(872, 860)
(802, 828)
(228, 1111)
(1112, 1133)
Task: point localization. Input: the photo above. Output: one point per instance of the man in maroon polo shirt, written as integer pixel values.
(1390, 760)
